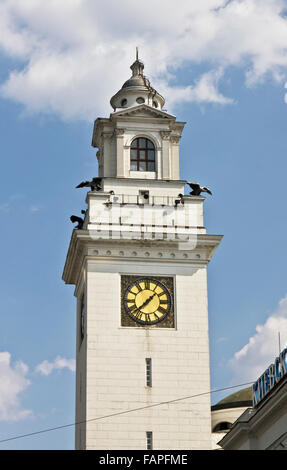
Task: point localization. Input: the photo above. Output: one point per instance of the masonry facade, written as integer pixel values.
(139, 265)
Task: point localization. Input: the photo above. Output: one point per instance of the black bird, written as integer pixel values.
(181, 198)
(95, 184)
(197, 189)
(80, 221)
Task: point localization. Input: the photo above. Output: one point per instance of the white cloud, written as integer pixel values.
(262, 348)
(5, 207)
(222, 339)
(46, 367)
(73, 55)
(12, 204)
(12, 383)
(8, 205)
(205, 90)
(34, 208)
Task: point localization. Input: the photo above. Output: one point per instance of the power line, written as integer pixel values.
(123, 412)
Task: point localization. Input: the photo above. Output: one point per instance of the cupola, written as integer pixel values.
(137, 90)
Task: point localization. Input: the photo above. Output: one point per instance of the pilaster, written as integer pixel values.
(166, 167)
(175, 139)
(120, 152)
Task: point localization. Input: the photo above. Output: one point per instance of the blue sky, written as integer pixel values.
(59, 69)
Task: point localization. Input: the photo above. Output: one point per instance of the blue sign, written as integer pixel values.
(272, 375)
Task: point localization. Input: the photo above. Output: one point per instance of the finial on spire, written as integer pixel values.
(137, 67)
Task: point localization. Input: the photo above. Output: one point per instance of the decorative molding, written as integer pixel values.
(165, 135)
(175, 139)
(119, 132)
(107, 134)
(142, 110)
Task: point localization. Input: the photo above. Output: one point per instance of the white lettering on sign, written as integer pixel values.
(272, 375)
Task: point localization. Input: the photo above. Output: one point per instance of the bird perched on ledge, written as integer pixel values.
(180, 200)
(197, 189)
(95, 184)
(80, 221)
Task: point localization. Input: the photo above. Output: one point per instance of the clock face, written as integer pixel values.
(147, 301)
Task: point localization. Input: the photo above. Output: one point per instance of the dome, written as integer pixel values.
(135, 81)
(227, 411)
(238, 399)
(137, 90)
(137, 78)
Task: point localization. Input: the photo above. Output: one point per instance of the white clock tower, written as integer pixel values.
(139, 264)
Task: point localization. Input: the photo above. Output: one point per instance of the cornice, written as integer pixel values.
(97, 129)
(149, 181)
(84, 245)
(152, 116)
(142, 108)
(137, 88)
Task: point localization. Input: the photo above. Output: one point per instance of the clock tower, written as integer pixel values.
(138, 263)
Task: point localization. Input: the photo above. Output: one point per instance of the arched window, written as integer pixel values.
(222, 427)
(142, 155)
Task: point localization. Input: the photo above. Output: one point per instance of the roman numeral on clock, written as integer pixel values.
(147, 317)
(137, 314)
(135, 311)
(147, 284)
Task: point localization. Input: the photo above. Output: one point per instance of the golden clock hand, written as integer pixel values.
(147, 301)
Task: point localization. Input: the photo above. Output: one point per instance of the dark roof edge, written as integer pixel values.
(235, 404)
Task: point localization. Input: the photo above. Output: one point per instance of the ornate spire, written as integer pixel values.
(138, 66)
(137, 90)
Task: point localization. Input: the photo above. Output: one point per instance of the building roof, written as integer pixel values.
(259, 417)
(238, 399)
(137, 82)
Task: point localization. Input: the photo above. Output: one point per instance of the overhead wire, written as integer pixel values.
(118, 413)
